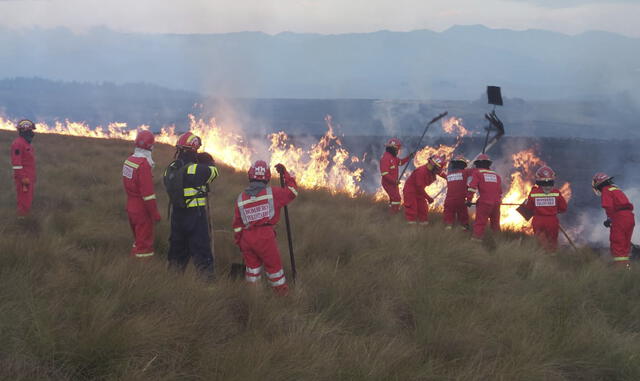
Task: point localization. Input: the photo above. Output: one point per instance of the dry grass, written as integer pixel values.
(375, 299)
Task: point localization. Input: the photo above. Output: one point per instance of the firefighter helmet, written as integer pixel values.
(260, 171)
(437, 161)
(394, 142)
(189, 141)
(25, 125)
(545, 173)
(145, 139)
(483, 157)
(599, 179)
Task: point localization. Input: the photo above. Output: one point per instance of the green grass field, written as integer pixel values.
(375, 299)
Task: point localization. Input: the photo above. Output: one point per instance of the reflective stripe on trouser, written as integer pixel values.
(142, 229)
(394, 195)
(415, 207)
(546, 230)
(190, 239)
(620, 234)
(484, 213)
(24, 199)
(260, 248)
(252, 274)
(455, 212)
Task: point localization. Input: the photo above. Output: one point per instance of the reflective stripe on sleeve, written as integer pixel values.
(292, 189)
(191, 169)
(214, 174)
(384, 173)
(17, 167)
(472, 190)
(237, 230)
(131, 164)
(144, 255)
(150, 197)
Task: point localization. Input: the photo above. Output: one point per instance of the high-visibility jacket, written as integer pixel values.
(263, 208)
(389, 165)
(138, 184)
(457, 184)
(23, 159)
(487, 184)
(195, 182)
(545, 204)
(614, 200)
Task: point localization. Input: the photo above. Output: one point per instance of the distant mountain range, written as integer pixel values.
(455, 64)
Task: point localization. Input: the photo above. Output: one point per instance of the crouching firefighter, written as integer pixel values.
(23, 161)
(142, 208)
(416, 199)
(545, 202)
(620, 218)
(257, 212)
(186, 181)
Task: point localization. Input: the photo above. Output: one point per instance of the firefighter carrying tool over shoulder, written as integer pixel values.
(142, 208)
(257, 211)
(186, 181)
(620, 217)
(389, 164)
(23, 161)
(544, 203)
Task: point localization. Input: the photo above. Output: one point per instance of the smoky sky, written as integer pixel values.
(322, 16)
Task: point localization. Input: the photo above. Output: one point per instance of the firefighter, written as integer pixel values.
(458, 179)
(187, 182)
(389, 164)
(488, 185)
(545, 202)
(416, 199)
(620, 217)
(23, 161)
(141, 198)
(257, 211)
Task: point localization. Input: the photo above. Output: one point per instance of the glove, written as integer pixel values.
(281, 168)
(429, 199)
(607, 223)
(468, 204)
(25, 184)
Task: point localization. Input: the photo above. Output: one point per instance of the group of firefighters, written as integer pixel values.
(544, 202)
(257, 208)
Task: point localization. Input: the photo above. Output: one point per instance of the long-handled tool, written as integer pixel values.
(286, 219)
(568, 238)
(437, 118)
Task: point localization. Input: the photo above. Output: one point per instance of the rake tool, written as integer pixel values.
(437, 118)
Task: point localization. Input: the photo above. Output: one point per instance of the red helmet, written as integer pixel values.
(25, 125)
(145, 139)
(437, 161)
(394, 142)
(600, 178)
(482, 157)
(545, 174)
(260, 171)
(189, 141)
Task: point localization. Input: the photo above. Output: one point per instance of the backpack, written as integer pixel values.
(173, 180)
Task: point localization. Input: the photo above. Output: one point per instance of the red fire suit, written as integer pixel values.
(620, 211)
(488, 185)
(253, 225)
(545, 208)
(416, 199)
(389, 165)
(141, 204)
(454, 203)
(23, 161)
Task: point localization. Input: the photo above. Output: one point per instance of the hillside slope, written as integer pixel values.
(374, 299)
